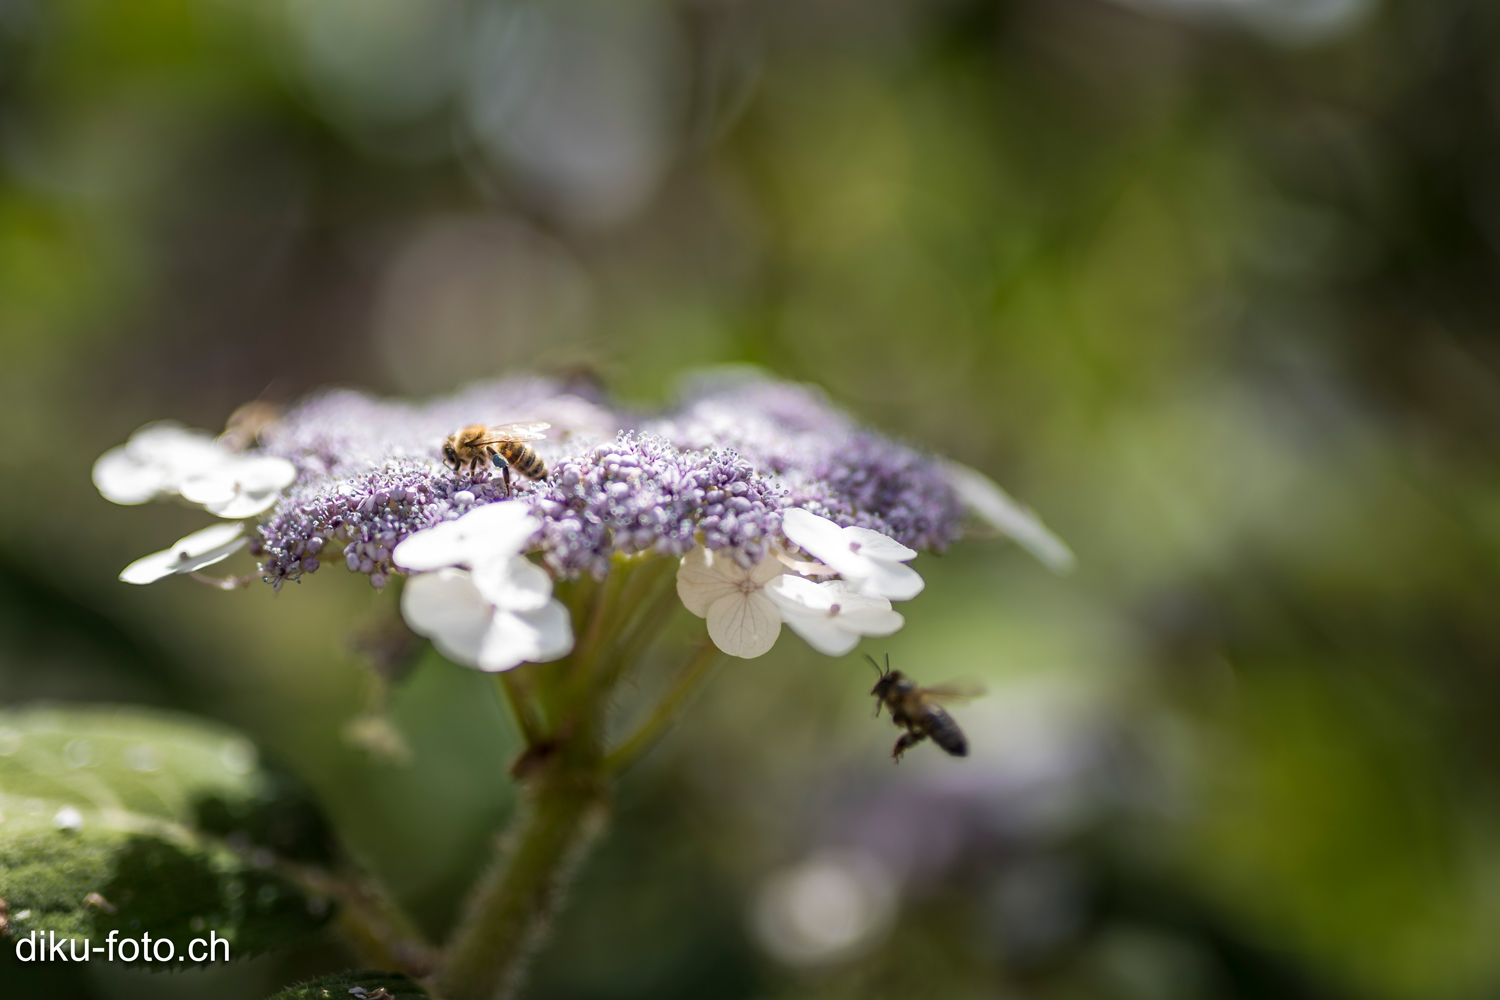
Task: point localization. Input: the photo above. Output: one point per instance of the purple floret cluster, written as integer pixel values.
(640, 494)
(821, 458)
(719, 470)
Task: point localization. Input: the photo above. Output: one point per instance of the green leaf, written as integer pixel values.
(395, 985)
(121, 819)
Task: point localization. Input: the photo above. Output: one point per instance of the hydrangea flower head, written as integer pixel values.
(739, 482)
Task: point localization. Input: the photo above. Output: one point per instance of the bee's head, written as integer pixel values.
(450, 456)
(888, 677)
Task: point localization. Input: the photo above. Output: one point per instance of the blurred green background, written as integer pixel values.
(1212, 284)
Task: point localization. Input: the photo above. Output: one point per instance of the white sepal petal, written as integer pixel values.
(176, 448)
(189, 553)
(992, 504)
(811, 532)
(494, 530)
(891, 580)
(797, 595)
(218, 488)
(244, 504)
(438, 547)
(447, 608)
(872, 562)
(517, 637)
(514, 583)
(121, 479)
(257, 473)
(824, 635)
(831, 617)
(555, 631)
(874, 545)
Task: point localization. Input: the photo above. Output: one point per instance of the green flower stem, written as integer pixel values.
(517, 899)
(659, 609)
(560, 708)
(656, 725)
(513, 687)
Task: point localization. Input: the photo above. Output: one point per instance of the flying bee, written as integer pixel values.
(243, 428)
(504, 446)
(916, 710)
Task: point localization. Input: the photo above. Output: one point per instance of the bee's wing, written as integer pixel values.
(957, 691)
(515, 432)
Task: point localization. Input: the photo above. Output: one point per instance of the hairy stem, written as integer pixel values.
(515, 902)
(560, 708)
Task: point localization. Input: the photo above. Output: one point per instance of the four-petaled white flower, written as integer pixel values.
(486, 605)
(193, 552)
(870, 562)
(165, 458)
(832, 617)
(742, 620)
(244, 486)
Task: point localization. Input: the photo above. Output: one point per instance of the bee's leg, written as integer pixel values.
(504, 467)
(905, 743)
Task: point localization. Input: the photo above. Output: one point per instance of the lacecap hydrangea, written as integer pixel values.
(778, 506)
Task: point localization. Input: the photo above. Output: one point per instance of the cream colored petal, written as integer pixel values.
(765, 571)
(703, 579)
(744, 624)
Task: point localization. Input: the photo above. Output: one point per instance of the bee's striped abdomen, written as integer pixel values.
(524, 459)
(945, 732)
